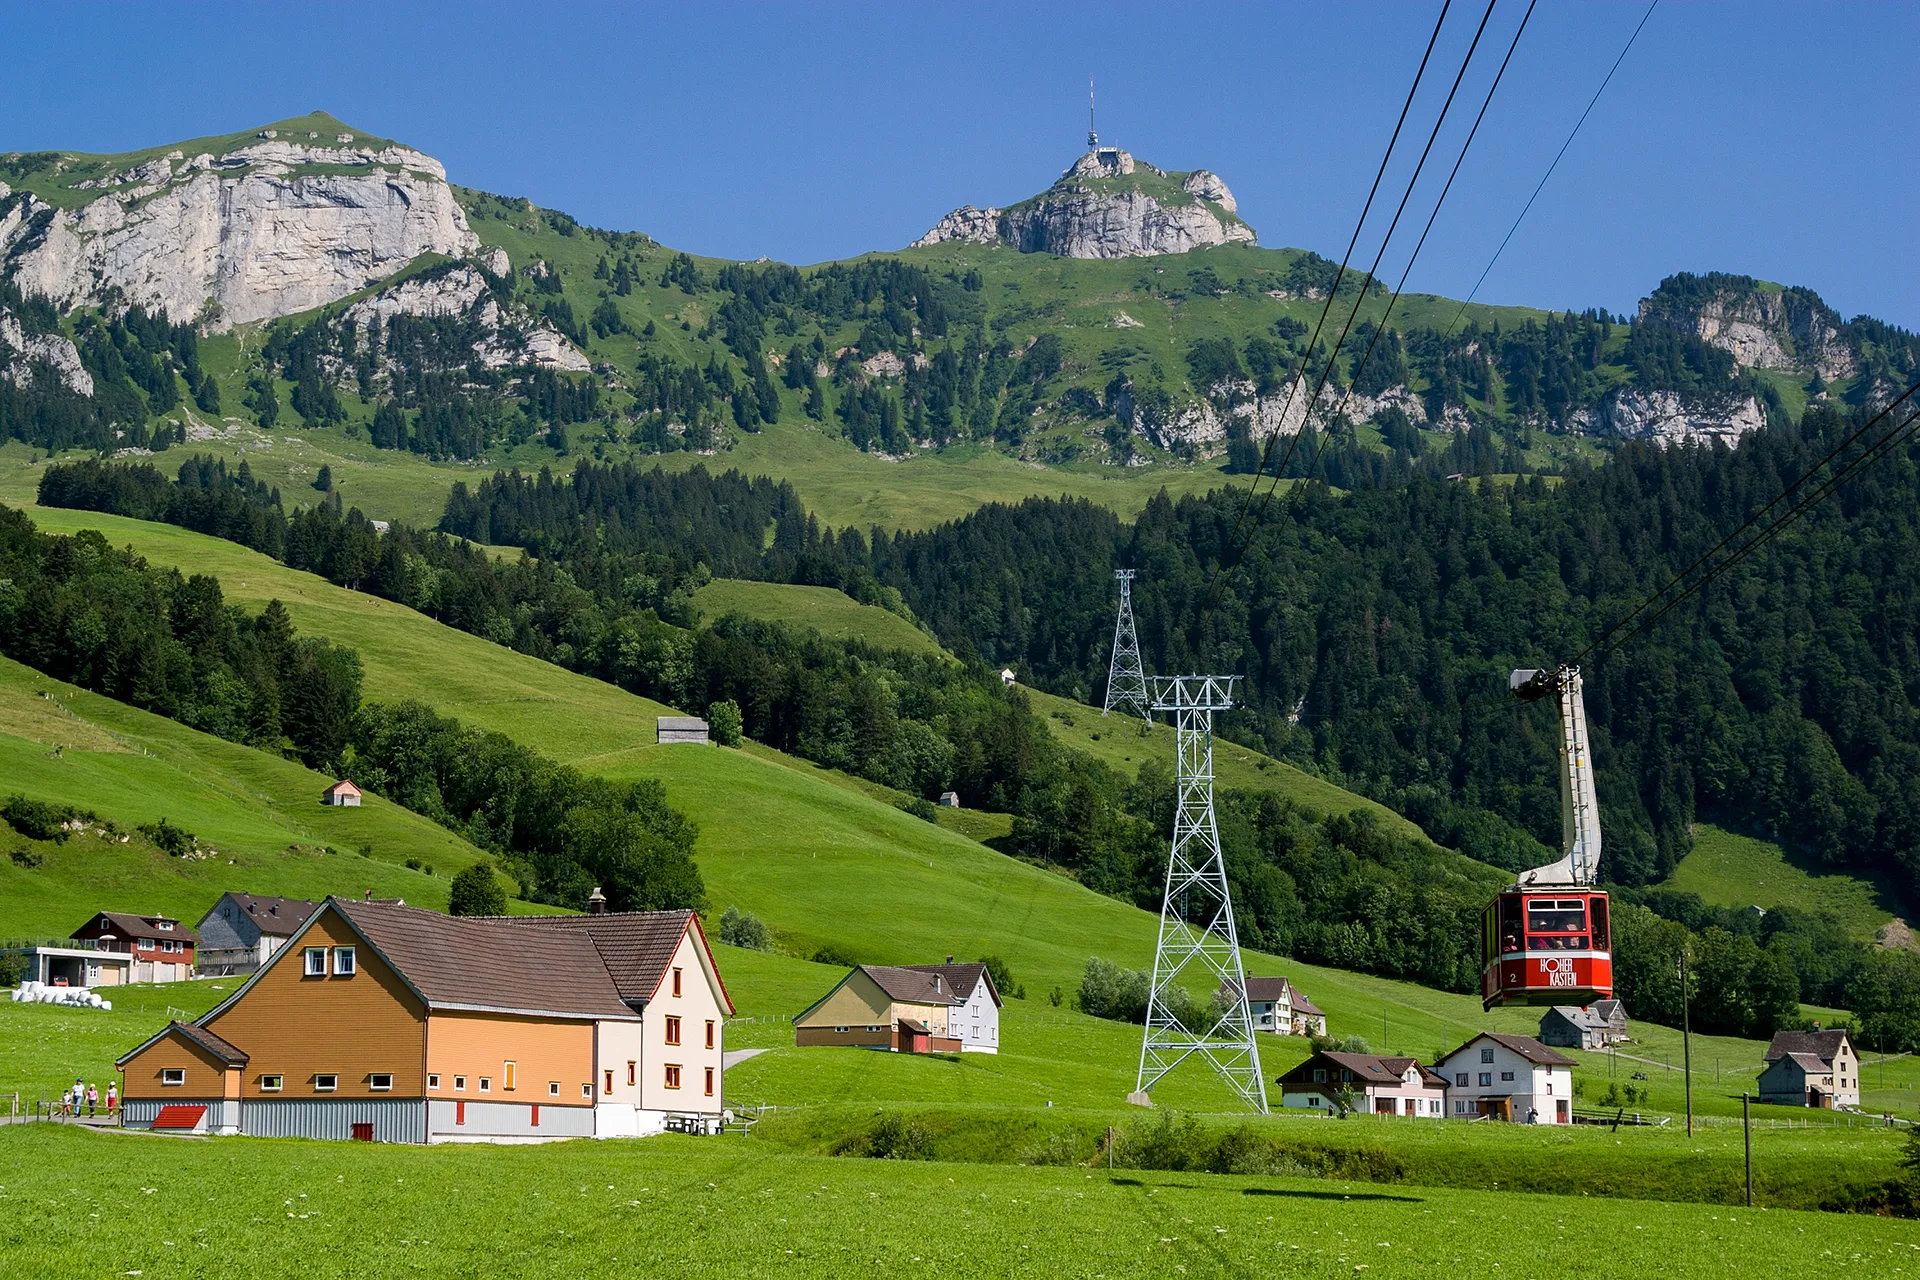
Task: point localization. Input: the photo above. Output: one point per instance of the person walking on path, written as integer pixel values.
(76, 1096)
(93, 1098)
(113, 1097)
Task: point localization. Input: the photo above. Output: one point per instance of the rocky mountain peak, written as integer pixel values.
(1106, 204)
(249, 227)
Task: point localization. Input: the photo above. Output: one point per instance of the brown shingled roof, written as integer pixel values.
(275, 917)
(200, 1037)
(1526, 1046)
(915, 985)
(127, 925)
(960, 978)
(635, 946)
(468, 963)
(1821, 1044)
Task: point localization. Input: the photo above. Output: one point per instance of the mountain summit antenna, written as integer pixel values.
(1126, 678)
(1093, 139)
(1196, 915)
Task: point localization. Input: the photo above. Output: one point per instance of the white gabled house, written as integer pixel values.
(1508, 1078)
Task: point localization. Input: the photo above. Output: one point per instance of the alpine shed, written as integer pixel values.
(383, 1022)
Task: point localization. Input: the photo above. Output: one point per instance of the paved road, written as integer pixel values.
(735, 1057)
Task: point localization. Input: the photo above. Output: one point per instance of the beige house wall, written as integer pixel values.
(697, 1005)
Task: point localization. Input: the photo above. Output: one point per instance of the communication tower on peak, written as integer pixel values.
(1126, 678)
(1093, 139)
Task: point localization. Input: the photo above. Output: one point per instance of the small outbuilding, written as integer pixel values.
(681, 729)
(1007, 677)
(1593, 1027)
(950, 799)
(342, 792)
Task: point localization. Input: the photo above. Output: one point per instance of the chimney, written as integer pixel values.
(949, 959)
(596, 902)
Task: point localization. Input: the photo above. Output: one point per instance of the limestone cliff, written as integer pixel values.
(1106, 205)
(1666, 418)
(461, 290)
(265, 229)
(1761, 326)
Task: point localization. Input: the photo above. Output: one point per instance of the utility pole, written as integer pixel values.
(1686, 1038)
(1196, 913)
(1746, 1123)
(1126, 678)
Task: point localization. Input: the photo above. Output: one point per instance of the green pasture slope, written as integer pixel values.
(827, 610)
(261, 813)
(822, 860)
(1730, 870)
(708, 1208)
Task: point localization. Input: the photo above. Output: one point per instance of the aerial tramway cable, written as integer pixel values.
(1341, 274)
(1320, 443)
(1591, 103)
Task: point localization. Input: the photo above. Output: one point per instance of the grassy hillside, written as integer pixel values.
(824, 609)
(821, 861)
(261, 813)
(1731, 870)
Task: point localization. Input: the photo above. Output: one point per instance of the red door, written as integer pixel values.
(362, 1131)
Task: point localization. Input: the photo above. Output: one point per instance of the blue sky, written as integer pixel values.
(1770, 139)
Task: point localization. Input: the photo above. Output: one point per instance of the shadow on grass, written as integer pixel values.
(1270, 1191)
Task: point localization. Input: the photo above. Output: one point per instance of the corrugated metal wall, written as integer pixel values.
(393, 1120)
(138, 1113)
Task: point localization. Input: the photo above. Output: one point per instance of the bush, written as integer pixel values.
(169, 839)
(1002, 975)
(835, 954)
(39, 819)
(28, 857)
(476, 892)
(1109, 991)
(724, 723)
(920, 807)
(739, 929)
(895, 1137)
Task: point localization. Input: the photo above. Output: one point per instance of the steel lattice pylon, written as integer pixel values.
(1126, 678)
(1196, 915)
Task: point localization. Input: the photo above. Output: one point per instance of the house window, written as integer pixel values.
(673, 1075)
(841, 1030)
(316, 962)
(609, 1085)
(459, 1084)
(1319, 1075)
(343, 962)
(380, 1082)
(509, 1075)
(553, 1088)
(173, 1075)
(1486, 1079)
(869, 1028)
(326, 1083)
(632, 1068)
(1506, 1075)
(486, 1084)
(673, 1030)
(709, 1033)
(433, 1080)
(709, 1082)
(272, 1084)
(1460, 1079)
(586, 1090)
(676, 982)
(1486, 1055)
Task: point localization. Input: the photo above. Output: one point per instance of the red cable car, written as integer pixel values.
(1547, 938)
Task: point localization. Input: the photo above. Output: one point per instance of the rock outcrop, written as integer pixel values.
(27, 351)
(459, 290)
(1667, 418)
(1761, 326)
(265, 230)
(1093, 211)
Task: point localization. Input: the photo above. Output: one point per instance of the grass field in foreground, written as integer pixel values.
(730, 1207)
(1729, 870)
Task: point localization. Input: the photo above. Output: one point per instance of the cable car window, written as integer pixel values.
(1601, 941)
(1509, 924)
(1557, 915)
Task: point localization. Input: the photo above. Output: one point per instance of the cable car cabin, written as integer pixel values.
(1546, 947)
